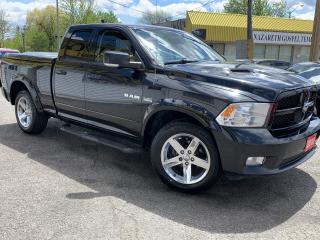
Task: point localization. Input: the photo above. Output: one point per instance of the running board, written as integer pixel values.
(107, 139)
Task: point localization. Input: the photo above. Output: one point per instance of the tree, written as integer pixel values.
(85, 11)
(280, 9)
(260, 7)
(40, 33)
(4, 27)
(15, 41)
(78, 11)
(44, 21)
(155, 17)
(36, 40)
(107, 17)
(236, 6)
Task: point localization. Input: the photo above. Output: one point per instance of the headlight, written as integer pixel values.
(244, 115)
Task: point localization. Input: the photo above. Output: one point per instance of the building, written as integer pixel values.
(274, 38)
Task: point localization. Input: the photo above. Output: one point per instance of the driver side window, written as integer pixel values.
(114, 41)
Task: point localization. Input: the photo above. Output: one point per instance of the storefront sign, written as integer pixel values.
(282, 38)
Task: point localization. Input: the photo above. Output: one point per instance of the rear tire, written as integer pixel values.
(185, 157)
(29, 119)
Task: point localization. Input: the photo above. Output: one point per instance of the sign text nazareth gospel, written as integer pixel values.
(282, 38)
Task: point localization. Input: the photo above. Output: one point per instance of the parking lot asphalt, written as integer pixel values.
(59, 186)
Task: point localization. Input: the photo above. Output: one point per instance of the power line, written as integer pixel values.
(137, 10)
(198, 8)
(123, 5)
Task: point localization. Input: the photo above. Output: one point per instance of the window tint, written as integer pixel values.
(78, 44)
(113, 41)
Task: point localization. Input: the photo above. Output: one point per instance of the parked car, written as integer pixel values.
(270, 63)
(308, 70)
(198, 115)
(311, 71)
(4, 51)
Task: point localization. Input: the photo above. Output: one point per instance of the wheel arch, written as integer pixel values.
(19, 85)
(158, 116)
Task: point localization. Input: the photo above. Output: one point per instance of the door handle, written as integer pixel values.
(61, 72)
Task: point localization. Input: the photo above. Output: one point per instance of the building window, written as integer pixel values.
(285, 53)
(304, 54)
(230, 51)
(259, 51)
(272, 52)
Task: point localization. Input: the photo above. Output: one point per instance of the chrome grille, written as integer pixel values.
(293, 112)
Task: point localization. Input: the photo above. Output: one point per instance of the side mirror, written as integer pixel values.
(117, 59)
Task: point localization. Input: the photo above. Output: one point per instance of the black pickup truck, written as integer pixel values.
(198, 115)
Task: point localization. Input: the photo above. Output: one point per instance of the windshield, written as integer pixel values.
(168, 46)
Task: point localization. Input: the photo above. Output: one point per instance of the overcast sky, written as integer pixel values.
(17, 9)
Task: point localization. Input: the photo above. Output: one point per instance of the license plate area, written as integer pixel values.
(310, 143)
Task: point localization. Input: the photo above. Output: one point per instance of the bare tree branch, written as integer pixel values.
(4, 27)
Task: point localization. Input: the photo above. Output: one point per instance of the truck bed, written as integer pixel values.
(33, 67)
(41, 57)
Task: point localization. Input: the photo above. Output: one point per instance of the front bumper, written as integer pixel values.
(237, 144)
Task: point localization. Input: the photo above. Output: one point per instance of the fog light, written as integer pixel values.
(255, 161)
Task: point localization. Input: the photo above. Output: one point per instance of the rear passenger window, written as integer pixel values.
(78, 45)
(113, 41)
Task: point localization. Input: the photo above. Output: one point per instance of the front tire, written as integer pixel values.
(185, 157)
(28, 118)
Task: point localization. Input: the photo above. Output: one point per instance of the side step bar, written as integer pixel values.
(108, 139)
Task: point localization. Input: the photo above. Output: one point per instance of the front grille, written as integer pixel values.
(289, 102)
(293, 112)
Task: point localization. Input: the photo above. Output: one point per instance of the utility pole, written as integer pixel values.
(314, 51)
(249, 32)
(58, 26)
(23, 33)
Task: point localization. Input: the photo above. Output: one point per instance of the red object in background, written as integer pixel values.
(311, 143)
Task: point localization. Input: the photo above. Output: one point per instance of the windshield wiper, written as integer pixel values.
(181, 61)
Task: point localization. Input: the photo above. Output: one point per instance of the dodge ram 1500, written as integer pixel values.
(198, 115)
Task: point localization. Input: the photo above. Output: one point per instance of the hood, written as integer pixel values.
(259, 80)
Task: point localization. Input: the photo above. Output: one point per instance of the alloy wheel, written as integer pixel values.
(185, 158)
(24, 112)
